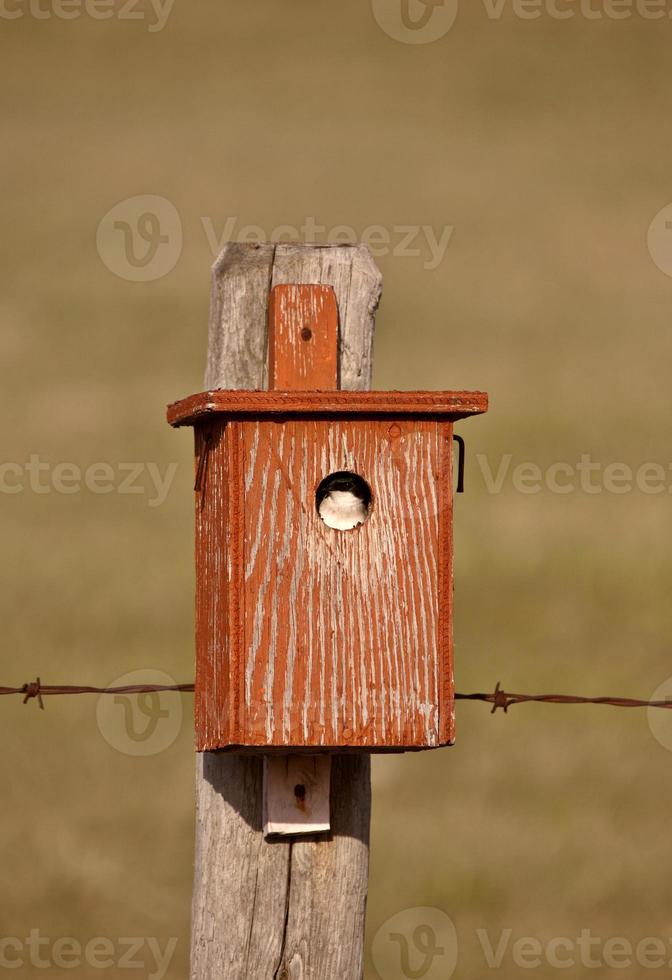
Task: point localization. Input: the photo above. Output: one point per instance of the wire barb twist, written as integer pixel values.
(33, 689)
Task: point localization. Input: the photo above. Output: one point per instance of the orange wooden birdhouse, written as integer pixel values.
(324, 555)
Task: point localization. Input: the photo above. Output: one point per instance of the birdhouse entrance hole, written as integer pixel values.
(343, 500)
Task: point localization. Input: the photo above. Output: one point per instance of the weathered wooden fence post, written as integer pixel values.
(287, 909)
(324, 556)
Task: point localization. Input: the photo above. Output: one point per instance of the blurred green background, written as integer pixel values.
(545, 145)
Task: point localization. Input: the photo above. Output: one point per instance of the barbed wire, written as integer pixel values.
(504, 700)
(36, 689)
(498, 699)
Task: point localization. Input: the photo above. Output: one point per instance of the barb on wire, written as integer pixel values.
(498, 698)
(502, 699)
(36, 689)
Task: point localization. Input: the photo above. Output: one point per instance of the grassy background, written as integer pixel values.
(546, 145)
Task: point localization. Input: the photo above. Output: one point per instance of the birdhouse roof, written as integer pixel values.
(449, 405)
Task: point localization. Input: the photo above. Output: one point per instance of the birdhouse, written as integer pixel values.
(324, 551)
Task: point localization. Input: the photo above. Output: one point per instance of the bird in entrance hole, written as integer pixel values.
(343, 500)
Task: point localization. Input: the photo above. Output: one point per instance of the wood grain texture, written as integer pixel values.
(335, 639)
(240, 881)
(303, 337)
(357, 283)
(324, 937)
(288, 812)
(205, 405)
(237, 336)
(280, 911)
(242, 277)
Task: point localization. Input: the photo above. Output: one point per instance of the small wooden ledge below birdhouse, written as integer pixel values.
(445, 405)
(296, 795)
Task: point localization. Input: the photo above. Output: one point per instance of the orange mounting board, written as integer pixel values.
(303, 337)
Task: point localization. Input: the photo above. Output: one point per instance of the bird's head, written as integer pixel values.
(344, 482)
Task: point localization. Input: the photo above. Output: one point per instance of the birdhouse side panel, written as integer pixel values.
(346, 637)
(219, 590)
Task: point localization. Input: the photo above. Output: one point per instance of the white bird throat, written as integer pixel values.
(342, 510)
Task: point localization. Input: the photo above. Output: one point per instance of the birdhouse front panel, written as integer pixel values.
(310, 635)
(343, 643)
(324, 568)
